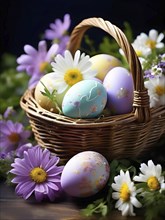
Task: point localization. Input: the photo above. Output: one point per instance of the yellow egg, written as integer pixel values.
(44, 101)
(103, 63)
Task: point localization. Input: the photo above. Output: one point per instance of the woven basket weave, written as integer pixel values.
(121, 136)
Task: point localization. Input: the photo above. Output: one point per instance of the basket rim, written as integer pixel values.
(33, 109)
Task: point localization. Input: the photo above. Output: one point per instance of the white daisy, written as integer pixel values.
(141, 49)
(125, 193)
(156, 91)
(69, 70)
(152, 40)
(152, 175)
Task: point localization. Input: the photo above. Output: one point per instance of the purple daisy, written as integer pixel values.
(37, 172)
(12, 136)
(36, 63)
(58, 29)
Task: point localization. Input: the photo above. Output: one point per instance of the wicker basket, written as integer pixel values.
(121, 136)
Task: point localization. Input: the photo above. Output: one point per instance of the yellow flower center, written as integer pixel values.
(153, 183)
(160, 90)
(38, 175)
(151, 43)
(72, 76)
(139, 53)
(43, 66)
(125, 192)
(14, 137)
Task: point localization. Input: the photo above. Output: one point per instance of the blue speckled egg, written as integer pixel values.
(85, 99)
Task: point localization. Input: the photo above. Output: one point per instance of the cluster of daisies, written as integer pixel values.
(35, 170)
(127, 191)
(151, 52)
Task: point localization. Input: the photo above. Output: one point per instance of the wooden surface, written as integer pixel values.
(14, 208)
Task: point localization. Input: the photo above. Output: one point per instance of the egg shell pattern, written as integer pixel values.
(85, 174)
(85, 99)
(119, 86)
(103, 63)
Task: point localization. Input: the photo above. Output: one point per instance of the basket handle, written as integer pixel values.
(141, 107)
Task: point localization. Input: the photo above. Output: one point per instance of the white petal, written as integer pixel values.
(68, 58)
(125, 209)
(76, 58)
(160, 45)
(160, 37)
(153, 34)
(158, 170)
(135, 202)
(140, 178)
(144, 168)
(115, 195)
(116, 187)
(118, 203)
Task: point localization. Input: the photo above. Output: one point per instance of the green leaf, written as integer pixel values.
(51, 96)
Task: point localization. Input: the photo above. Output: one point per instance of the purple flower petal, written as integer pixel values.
(39, 196)
(24, 59)
(30, 50)
(40, 188)
(52, 186)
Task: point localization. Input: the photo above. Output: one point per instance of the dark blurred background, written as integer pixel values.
(22, 21)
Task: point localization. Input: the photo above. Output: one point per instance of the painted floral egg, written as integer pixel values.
(85, 174)
(85, 99)
(119, 86)
(103, 63)
(44, 101)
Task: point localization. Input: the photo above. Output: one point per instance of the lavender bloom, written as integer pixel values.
(6, 156)
(37, 172)
(34, 62)
(147, 74)
(20, 150)
(162, 66)
(57, 33)
(58, 28)
(12, 135)
(9, 112)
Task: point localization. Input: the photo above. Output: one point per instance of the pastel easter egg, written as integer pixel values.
(85, 174)
(119, 86)
(85, 99)
(103, 63)
(44, 101)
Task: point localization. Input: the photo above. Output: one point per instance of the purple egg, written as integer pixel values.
(85, 174)
(119, 86)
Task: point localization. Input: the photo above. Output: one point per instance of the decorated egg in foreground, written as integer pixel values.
(103, 63)
(43, 100)
(85, 99)
(85, 174)
(119, 86)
